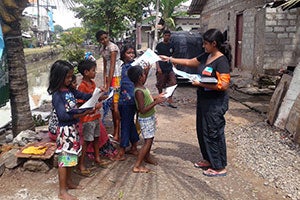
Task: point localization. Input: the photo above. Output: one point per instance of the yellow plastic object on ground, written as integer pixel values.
(40, 150)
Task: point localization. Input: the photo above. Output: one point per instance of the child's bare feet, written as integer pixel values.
(71, 186)
(133, 152)
(66, 196)
(116, 138)
(150, 160)
(119, 158)
(140, 169)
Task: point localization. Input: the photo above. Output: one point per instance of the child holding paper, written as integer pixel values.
(64, 102)
(90, 123)
(127, 107)
(145, 105)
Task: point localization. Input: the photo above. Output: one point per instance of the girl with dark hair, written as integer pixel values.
(127, 106)
(212, 101)
(64, 103)
(111, 75)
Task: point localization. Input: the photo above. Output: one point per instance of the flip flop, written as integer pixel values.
(172, 106)
(202, 165)
(111, 139)
(85, 173)
(110, 136)
(213, 173)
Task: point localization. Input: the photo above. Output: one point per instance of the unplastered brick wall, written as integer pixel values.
(248, 38)
(222, 14)
(282, 35)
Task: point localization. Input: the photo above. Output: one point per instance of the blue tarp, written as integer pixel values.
(51, 25)
(4, 86)
(1, 43)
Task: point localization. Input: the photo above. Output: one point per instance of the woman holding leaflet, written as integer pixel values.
(212, 101)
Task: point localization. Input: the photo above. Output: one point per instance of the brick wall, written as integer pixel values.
(281, 44)
(271, 37)
(222, 14)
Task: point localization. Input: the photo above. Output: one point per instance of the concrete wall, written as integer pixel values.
(248, 60)
(282, 39)
(187, 23)
(222, 15)
(271, 37)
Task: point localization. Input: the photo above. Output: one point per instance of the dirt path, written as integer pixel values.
(176, 148)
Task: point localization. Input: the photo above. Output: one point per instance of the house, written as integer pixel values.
(264, 37)
(183, 21)
(187, 23)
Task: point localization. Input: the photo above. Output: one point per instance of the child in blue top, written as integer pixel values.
(64, 103)
(127, 106)
(145, 105)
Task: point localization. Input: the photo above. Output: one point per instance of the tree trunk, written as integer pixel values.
(18, 86)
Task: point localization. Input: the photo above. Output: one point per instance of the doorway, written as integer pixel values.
(238, 41)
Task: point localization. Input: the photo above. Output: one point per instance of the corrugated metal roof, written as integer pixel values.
(291, 4)
(196, 6)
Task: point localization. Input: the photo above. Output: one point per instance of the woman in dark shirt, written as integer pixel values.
(212, 101)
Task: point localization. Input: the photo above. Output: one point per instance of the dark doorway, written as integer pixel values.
(238, 41)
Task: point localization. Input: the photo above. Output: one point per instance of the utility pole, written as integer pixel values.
(38, 13)
(156, 26)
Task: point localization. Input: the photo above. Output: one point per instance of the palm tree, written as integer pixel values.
(11, 12)
(167, 9)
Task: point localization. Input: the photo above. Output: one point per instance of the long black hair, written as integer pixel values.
(223, 46)
(58, 73)
(124, 49)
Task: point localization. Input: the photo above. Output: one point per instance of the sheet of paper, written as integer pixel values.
(149, 57)
(191, 77)
(109, 96)
(169, 91)
(93, 100)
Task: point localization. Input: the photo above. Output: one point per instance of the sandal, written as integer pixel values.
(202, 164)
(213, 173)
(172, 105)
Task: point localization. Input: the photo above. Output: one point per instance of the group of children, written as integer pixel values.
(66, 98)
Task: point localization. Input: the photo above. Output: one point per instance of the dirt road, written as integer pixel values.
(176, 148)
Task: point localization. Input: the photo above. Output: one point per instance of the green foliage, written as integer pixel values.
(167, 10)
(72, 42)
(26, 42)
(74, 55)
(110, 15)
(38, 120)
(115, 16)
(58, 28)
(25, 24)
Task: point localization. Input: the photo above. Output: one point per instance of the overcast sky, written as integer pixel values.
(65, 17)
